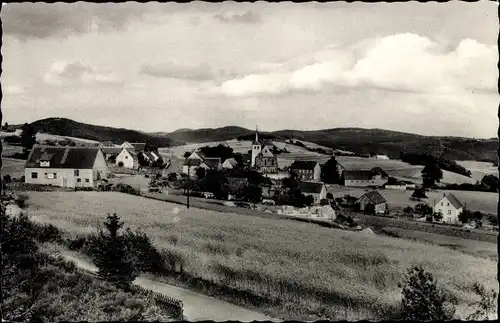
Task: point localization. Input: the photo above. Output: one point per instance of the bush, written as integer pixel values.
(7, 179)
(21, 200)
(329, 196)
(422, 300)
(324, 202)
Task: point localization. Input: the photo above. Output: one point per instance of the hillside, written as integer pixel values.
(67, 127)
(362, 141)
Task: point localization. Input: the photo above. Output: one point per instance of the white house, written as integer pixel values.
(450, 207)
(315, 189)
(65, 166)
(376, 177)
(198, 159)
(127, 158)
(306, 170)
(229, 163)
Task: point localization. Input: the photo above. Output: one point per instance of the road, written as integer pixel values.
(197, 307)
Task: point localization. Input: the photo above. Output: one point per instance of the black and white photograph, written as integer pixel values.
(249, 161)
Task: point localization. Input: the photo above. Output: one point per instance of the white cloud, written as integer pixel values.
(201, 72)
(402, 62)
(63, 73)
(13, 89)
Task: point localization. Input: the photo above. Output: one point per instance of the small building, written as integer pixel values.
(375, 198)
(375, 177)
(229, 163)
(110, 153)
(306, 170)
(136, 146)
(382, 157)
(104, 144)
(315, 189)
(450, 207)
(198, 159)
(65, 166)
(149, 156)
(127, 158)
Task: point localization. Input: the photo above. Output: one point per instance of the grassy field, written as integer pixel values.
(13, 167)
(477, 248)
(348, 275)
(397, 200)
(479, 169)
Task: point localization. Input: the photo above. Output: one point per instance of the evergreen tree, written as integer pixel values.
(114, 258)
(431, 174)
(252, 194)
(28, 137)
(329, 172)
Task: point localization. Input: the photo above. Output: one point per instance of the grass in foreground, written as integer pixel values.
(316, 271)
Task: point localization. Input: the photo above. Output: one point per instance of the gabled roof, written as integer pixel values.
(231, 161)
(453, 200)
(357, 175)
(138, 146)
(311, 187)
(375, 197)
(192, 162)
(131, 151)
(148, 155)
(265, 152)
(303, 164)
(199, 153)
(111, 150)
(212, 162)
(63, 157)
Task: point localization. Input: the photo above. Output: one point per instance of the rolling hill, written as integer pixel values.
(362, 141)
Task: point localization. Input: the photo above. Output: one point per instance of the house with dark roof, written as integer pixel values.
(198, 159)
(315, 189)
(450, 207)
(375, 177)
(374, 198)
(65, 166)
(137, 146)
(229, 163)
(306, 170)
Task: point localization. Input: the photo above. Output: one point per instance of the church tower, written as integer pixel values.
(256, 147)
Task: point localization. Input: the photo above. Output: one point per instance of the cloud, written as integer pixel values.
(13, 89)
(42, 20)
(201, 72)
(402, 62)
(248, 17)
(76, 73)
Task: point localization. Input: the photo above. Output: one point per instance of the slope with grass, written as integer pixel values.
(13, 167)
(344, 275)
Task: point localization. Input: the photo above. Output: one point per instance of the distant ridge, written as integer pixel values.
(358, 140)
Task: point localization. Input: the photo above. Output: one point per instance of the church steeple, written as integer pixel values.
(256, 135)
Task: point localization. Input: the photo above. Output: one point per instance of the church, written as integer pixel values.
(263, 160)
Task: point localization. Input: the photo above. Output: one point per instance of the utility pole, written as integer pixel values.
(188, 182)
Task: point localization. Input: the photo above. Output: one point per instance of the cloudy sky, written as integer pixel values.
(425, 68)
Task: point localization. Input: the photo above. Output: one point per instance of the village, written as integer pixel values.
(253, 179)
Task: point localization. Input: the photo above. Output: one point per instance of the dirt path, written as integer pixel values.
(197, 307)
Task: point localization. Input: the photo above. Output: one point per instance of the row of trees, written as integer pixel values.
(426, 159)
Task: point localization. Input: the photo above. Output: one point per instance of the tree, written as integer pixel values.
(421, 299)
(308, 200)
(431, 174)
(6, 126)
(437, 216)
(28, 137)
(158, 163)
(200, 172)
(187, 154)
(329, 196)
(113, 257)
(490, 182)
(172, 177)
(329, 172)
(487, 304)
(408, 210)
(142, 161)
(423, 209)
(370, 208)
(419, 193)
(252, 193)
(465, 216)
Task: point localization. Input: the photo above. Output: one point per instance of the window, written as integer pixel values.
(34, 175)
(440, 211)
(87, 180)
(441, 203)
(448, 203)
(78, 180)
(449, 212)
(49, 176)
(55, 175)
(77, 172)
(126, 157)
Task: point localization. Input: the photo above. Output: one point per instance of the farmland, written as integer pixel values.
(479, 169)
(397, 200)
(12, 167)
(348, 275)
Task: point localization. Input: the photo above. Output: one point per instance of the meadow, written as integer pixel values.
(312, 269)
(398, 200)
(13, 167)
(479, 169)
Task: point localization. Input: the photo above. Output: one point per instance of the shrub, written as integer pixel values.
(329, 196)
(370, 208)
(21, 200)
(324, 202)
(487, 305)
(422, 300)
(408, 210)
(7, 179)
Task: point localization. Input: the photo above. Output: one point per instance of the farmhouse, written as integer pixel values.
(65, 166)
(127, 158)
(450, 207)
(198, 159)
(374, 198)
(263, 159)
(149, 156)
(306, 170)
(110, 153)
(136, 146)
(315, 189)
(376, 177)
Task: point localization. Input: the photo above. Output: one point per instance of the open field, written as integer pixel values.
(479, 169)
(349, 275)
(9, 150)
(478, 248)
(40, 137)
(397, 200)
(13, 167)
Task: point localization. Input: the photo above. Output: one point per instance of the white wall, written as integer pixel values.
(64, 177)
(450, 214)
(126, 158)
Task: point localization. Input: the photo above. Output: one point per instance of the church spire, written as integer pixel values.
(257, 134)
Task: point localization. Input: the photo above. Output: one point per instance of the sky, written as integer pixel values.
(426, 68)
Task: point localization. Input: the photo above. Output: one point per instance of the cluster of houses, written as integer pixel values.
(69, 166)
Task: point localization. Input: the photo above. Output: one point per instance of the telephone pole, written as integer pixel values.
(188, 181)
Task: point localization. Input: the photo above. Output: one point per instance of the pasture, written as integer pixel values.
(13, 167)
(479, 169)
(312, 269)
(41, 137)
(398, 200)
